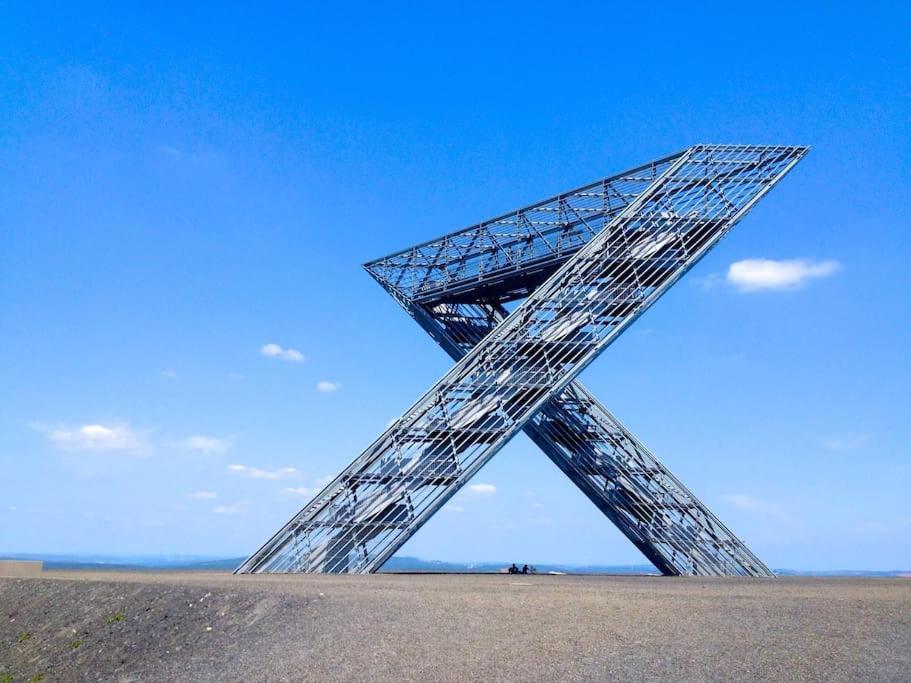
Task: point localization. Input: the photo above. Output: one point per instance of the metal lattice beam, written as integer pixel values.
(673, 211)
(647, 503)
(509, 256)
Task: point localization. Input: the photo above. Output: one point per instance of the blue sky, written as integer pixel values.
(181, 187)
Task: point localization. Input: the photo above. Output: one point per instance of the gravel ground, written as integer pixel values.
(88, 626)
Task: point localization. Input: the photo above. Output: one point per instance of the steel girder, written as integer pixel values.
(602, 256)
(644, 500)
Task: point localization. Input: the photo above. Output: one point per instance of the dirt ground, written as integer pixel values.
(133, 626)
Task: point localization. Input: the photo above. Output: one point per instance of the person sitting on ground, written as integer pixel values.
(513, 569)
(525, 569)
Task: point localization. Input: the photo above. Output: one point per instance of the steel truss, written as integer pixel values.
(587, 263)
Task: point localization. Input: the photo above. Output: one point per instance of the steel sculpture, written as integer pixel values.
(587, 262)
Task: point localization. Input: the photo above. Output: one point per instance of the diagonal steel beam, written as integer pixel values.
(366, 513)
(644, 500)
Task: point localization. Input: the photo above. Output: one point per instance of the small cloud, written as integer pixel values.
(169, 151)
(308, 491)
(256, 473)
(303, 491)
(208, 444)
(202, 495)
(235, 509)
(276, 351)
(846, 442)
(753, 275)
(869, 528)
(528, 493)
(455, 509)
(328, 387)
(537, 506)
(741, 501)
(482, 489)
(95, 437)
(708, 282)
(169, 374)
(746, 503)
(189, 159)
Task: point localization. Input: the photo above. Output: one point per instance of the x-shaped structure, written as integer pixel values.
(587, 263)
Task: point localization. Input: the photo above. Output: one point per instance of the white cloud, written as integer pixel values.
(746, 503)
(208, 444)
(871, 528)
(95, 437)
(190, 159)
(456, 509)
(753, 275)
(169, 151)
(230, 509)
(202, 495)
(256, 473)
(276, 351)
(482, 489)
(328, 387)
(846, 442)
(537, 506)
(304, 491)
(707, 282)
(170, 374)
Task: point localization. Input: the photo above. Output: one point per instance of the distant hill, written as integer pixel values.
(416, 564)
(395, 564)
(131, 562)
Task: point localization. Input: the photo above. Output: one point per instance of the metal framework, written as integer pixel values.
(588, 263)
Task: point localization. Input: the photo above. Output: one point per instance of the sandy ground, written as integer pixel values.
(214, 627)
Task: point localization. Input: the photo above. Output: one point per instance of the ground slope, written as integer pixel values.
(189, 627)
